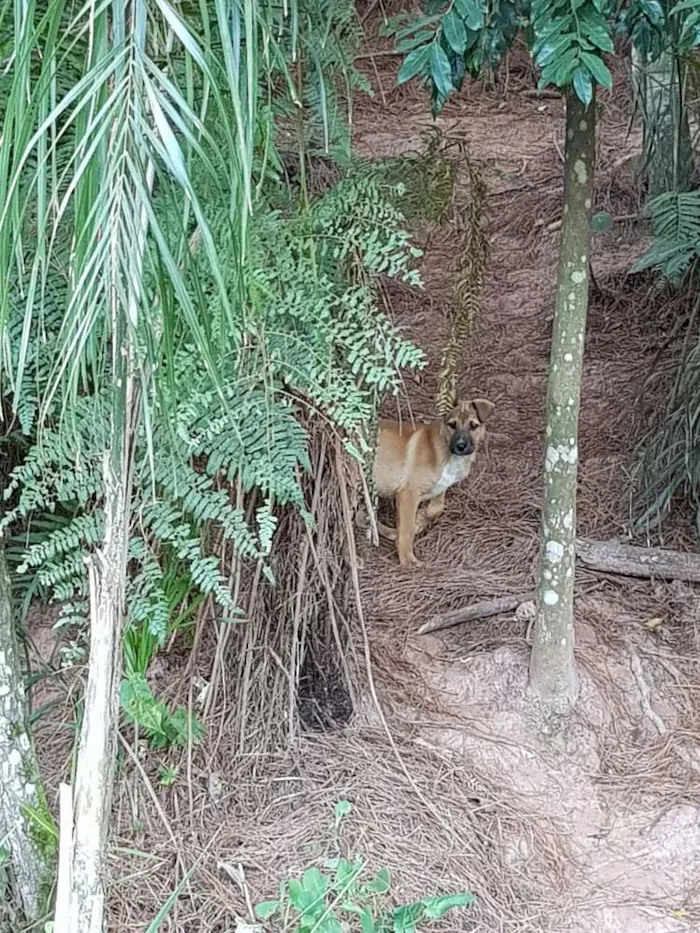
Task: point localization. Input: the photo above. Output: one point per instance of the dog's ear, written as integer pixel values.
(484, 409)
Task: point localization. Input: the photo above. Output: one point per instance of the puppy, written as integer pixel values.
(419, 464)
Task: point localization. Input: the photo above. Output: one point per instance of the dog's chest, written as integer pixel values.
(454, 471)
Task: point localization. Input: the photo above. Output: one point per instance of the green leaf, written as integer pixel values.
(413, 42)
(315, 883)
(440, 70)
(367, 921)
(266, 909)
(343, 808)
(299, 897)
(381, 883)
(436, 907)
(472, 12)
(414, 64)
(583, 86)
(406, 917)
(601, 222)
(598, 69)
(600, 37)
(455, 32)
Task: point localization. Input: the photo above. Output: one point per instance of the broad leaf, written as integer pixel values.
(598, 69)
(583, 85)
(440, 71)
(455, 32)
(472, 12)
(414, 64)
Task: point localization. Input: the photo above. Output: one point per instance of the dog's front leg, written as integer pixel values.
(406, 508)
(434, 508)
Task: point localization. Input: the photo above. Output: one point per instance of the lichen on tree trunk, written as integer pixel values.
(553, 674)
(25, 821)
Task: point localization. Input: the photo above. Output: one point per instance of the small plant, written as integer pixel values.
(342, 896)
(167, 775)
(163, 729)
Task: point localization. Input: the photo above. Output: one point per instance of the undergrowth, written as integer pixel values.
(216, 460)
(668, 458)
(343, 895)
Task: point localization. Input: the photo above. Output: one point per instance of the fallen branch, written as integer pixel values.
(605, 556)
(480, 610)
(542, 95)
(631, 561)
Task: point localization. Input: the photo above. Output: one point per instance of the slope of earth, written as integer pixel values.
(617, 793)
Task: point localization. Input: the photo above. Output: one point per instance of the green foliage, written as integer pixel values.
(163, 728)
(676, 226)
(645, 22)
(687, 15)
(453, 40)
(312, 340)
(568, 41)
(668, 459)
(238, 306)
(167, 775)
(344, 897)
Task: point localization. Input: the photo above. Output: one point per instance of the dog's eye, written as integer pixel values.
(474, 424)
(452, 425)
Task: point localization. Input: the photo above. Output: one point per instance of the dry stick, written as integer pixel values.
(368, 659)
(632, 561)
(542, 95)
(156, 803)
(481, 610)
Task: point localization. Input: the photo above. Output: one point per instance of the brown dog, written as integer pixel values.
(419, 464)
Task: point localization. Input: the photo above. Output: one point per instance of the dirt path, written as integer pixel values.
(623, 850)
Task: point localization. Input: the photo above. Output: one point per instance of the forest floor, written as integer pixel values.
(595, 829)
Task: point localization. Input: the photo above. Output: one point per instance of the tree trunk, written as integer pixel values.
(553, 674)
(94, 776)
(26, 824)
(660, 95)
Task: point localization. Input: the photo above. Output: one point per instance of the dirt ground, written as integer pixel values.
(591, 830)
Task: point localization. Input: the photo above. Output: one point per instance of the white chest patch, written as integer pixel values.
(455, 470)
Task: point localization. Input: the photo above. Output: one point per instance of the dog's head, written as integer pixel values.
(464, 425)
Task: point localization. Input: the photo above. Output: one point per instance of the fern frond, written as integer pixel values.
(676, 226)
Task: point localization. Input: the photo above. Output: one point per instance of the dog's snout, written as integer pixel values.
(461, 444)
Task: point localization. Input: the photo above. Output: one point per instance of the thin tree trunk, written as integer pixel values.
(25, 820)
(553, 674)
(660, 95)
(94, 777)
